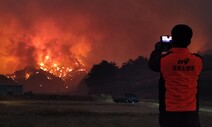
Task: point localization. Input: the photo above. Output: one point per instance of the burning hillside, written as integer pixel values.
(45, 50)
(40, 81)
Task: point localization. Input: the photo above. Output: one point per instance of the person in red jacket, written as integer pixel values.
(178, 84)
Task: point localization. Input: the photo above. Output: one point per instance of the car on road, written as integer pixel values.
(128, 98)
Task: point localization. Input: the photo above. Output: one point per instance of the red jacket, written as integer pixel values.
(178, 87)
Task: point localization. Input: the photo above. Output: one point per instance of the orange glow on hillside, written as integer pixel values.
(43, 46)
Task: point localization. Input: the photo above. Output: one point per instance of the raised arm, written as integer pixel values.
(154, 60)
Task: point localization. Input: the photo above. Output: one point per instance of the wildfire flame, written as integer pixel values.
(44, 46)
(57, 69)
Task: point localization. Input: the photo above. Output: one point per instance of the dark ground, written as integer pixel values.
(85, 114)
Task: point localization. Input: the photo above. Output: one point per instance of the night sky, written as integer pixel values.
(88, 31)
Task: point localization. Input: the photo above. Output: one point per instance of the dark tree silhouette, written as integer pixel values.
(136, 66)
(101, 77)
(132, 77)
(205, 78)
(103, 70)
(207, 62)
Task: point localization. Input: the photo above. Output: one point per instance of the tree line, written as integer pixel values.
(134, 76)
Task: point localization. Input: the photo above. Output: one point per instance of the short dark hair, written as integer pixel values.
(181, 35)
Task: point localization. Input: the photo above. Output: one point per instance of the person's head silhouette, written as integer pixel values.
(181, 35)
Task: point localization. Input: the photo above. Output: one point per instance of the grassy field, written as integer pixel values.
(83, 114)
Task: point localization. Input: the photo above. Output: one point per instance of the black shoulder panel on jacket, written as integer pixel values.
(168, 53)
(154, 60)
(197, 55)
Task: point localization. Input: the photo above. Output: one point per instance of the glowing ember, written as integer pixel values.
(49, 78)
(27, 75)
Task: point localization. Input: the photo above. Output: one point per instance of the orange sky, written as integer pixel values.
(86, 31)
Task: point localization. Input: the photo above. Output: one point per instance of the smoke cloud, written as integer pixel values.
(71, 32)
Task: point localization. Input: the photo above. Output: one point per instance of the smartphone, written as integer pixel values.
(166, 39)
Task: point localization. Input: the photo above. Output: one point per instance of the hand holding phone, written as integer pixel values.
(166, 41)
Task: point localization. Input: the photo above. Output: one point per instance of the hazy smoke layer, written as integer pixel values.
(69, 32)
